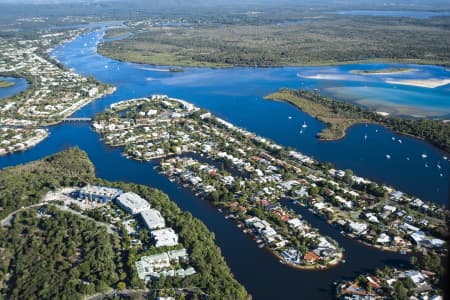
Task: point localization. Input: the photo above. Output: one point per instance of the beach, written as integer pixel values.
(426, 83)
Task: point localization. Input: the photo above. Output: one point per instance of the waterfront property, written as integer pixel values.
(247, 176)
(132, 203)
(99, 193)
(161, 264)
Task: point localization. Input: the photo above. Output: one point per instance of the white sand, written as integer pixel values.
(426, 83)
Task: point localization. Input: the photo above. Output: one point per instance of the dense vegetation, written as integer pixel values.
(314, 39)
(5, 84)
(339, 115)
(24, 185)
(56, 254)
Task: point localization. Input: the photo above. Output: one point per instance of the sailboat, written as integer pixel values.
(424, 156)
(304, 124)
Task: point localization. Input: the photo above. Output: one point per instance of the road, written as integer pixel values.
(8, 219)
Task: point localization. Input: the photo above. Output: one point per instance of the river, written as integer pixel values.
(20, 84)
(236, 95)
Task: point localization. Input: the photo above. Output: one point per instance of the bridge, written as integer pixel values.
(77, 119)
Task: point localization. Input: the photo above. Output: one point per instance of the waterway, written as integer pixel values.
(417, 14)
(20, 84)
(236, 95)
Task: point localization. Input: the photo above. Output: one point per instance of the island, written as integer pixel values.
(250, 178)
(388, 71)
(84, 236)
(5, 84)
(340, 115)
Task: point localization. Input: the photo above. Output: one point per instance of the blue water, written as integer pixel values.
(236, 95)
(20, 85)
(394, 13)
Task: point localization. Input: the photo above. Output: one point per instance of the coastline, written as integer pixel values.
(431, 83)
(277, 96)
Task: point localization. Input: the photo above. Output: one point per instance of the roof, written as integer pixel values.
(153, 219)
(311, 256)
(133, 201)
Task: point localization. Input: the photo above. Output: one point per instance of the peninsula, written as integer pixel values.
(247, 177)
(5, 84)
(54, 92)
(340, 115)
(61, 224)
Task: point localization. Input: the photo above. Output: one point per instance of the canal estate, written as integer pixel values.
(192, 167)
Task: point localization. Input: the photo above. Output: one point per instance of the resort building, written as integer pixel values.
(133, 203)
(164, 237)
(153, 219)
(99, 193)
(156, 265)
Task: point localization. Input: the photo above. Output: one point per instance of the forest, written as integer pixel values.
(339, 115)
(314, 39)
(50, 254)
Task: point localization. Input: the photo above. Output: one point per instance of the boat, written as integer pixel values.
(365, 136)
(304, 124)
(261, 246)
(445, 157)
(438, 166)
(424, 155)
(393, 138)
(400, 141)
(301, 131)
(388, 156)
(407, 158)
(289, 117)
(426, 165)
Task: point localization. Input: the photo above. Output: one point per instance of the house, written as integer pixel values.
(357, 228)
(383, 239)
(311, 257)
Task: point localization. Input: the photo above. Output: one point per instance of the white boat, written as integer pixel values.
(365, 136)
(400, 141)
(426, 165)
(289, 117)
(301, 131)
(388, 156)
(438, 166)
(393, 138)
(424, 156)
(407, 158)
(445, 157)
(304, 124)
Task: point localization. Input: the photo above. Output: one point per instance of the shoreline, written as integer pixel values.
(225, 211)
(354, 123)
(390, 71)
(431, 83)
